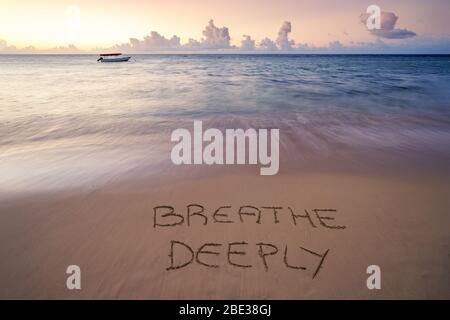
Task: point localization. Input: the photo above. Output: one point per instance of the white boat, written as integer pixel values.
(113, 57)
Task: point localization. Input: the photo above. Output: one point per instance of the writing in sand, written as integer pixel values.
(235, 252)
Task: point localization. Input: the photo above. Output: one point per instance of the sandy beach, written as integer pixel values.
(87, 177)
(398, 224)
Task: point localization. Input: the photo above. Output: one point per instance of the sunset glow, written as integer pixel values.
(94, 24)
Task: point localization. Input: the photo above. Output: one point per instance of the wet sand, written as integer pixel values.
(399, 223)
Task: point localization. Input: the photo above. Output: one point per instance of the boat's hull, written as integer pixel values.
(120, 59)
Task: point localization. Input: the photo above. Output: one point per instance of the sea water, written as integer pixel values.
(66, 120)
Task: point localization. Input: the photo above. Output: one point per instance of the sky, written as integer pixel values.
(185, 25)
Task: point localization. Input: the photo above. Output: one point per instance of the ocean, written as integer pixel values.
(68, 121)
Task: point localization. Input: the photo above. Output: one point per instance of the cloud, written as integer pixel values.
(193, 44)
(247, 44)
(215, 38)
(152, 42)
(394, 34)
(283, 41)
(65, 49)
(335, 45)
(29, 49)
(267, 45)
(388, 20)
(155, 41)
(416, 45)
(388, 30)
(4, 47)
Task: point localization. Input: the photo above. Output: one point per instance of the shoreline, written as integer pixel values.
(310, 142)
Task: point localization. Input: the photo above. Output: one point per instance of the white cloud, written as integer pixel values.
(267, 45)
(155, 41)
(283, 41)
(247, 44)
(388, 30)
(5, 47)
(65, 49)
(215, 38)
